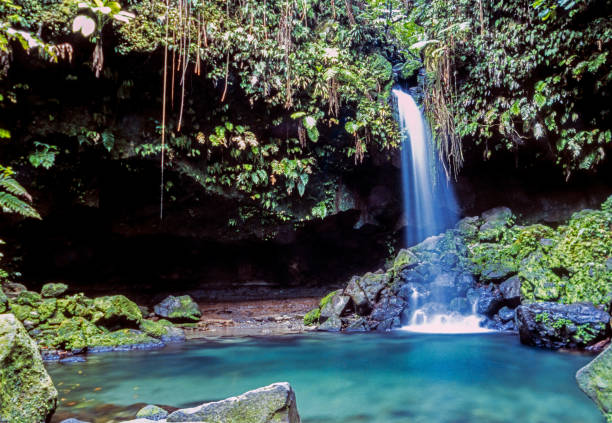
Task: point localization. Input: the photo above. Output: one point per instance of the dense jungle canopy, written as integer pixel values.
(268, 103)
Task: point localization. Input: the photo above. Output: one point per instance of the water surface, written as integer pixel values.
(357, 378)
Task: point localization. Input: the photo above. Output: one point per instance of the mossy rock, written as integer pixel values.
(77, 305)
(25, 313)
(47, 308)
(122, 337)
(116, 311)
(178, 309)
(152, 412)
(53, 290)
(312, 317)
(27, 393)
(3, 302)
(595, 379)
(29, 298)
(156, 329)
(405, 258)
(77, 333)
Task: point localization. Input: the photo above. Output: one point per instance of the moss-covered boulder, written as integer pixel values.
(116, 311)
(495, 221)
(312, 317)
(595, 379)
(162, 329)
(123, 339)
(29, 298)
(27, 393)
(271, 404)
(77, 333)
(178, 309)
(53, 290)
(152, 412)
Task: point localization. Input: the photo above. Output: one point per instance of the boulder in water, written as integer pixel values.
(489, 302)
(116, 311)
(553, 325)
(332, 324)
(275, 403)
(27, 393)
(335, 306)
(178, 309)
(595, 380)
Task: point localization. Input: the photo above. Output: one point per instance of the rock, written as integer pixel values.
(411, 291)
(152, 412)
(271, 404)
(489, 302)
(335, 307)
(312, 317)
(364, 291)
(73, 420)
(495, 271)
(506, 314)
(460, 305)
(388, 309)
(358, 324)
(53, 290)
(468, 227)
(28, 298)
(3, 301)
(595, 380)
(178, 309)
(173, 335)
(495, 221)
(511, 291)
(332, 324)
(116, 311)
(553, 325)
(27, 393)
(12, 289)
(404, 259)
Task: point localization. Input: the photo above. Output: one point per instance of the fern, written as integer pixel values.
(13, 197)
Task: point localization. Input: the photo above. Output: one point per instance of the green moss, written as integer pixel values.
(3, 302)
(326, 299)
(312, 317)
(29, 298)
(47, 308)
(156, 329)
(52, 290)
(121, 337)
(116, 309)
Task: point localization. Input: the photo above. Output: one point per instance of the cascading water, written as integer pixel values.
(430, 207)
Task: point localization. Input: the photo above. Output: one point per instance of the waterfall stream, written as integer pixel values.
(430, 207)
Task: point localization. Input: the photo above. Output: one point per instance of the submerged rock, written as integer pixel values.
(178, 309)
(27, 393)
(595, 380)
(275, 403)
(553, 325)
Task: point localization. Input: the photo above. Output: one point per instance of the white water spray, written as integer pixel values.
(430, 208)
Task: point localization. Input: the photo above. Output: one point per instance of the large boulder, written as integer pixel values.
(595, 379)
(116, 311)
(511, 291)
(553, 325)
(271, 404)
(364, 290)
(178, 309)
(495, 221)
(27, 393)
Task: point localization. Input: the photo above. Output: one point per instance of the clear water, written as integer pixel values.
(357, 378)
(430, 206)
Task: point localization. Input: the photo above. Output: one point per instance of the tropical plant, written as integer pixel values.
(13, 197)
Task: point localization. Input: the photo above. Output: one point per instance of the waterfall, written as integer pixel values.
(430, 207)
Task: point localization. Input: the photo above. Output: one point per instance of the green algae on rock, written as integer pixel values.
(152, 412)
(27, 393)
(595, 379)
